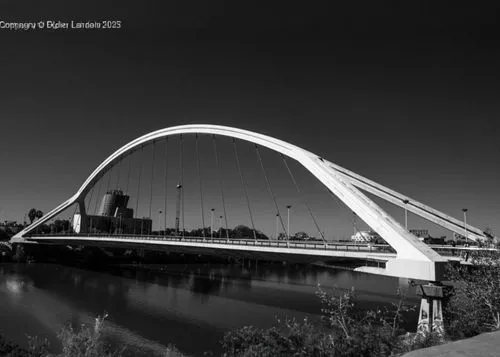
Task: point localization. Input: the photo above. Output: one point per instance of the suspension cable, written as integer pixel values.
(90, 199)
(220, 183)
(118, 172)
(138, 190)
(201, 187)
(87, 206)
(166, 184)
(110, 172)
(107, 190)
(128, 175)
(302, 198)
(244, 188)
(98, 194)
(182, 184)
(152, 181)
(269, 189)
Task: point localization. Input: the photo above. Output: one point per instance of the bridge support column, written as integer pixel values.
(430, 318)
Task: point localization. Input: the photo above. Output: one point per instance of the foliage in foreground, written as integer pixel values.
(87, 341)
(474, 307)
(345, 331)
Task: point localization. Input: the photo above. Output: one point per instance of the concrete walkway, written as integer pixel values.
(484, 345)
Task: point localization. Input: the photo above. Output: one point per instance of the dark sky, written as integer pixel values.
(404, 94)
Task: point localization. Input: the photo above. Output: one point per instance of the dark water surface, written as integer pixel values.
(190, 306)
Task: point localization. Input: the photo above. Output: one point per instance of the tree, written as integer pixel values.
(39, 214)
(476, 286)
(61, 226)
(32, 215)
(242, 231)
(490, 236)
(300, 236)
(4, 235)
(347, 331)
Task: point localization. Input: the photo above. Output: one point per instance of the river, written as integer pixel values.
(188, 305)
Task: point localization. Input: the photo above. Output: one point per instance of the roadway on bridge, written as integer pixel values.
(259, 249)
(251, 248)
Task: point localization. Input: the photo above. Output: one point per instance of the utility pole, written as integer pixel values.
(159, 221)
(178, 208)
(277, 226)
(354, 223)
(288, 221)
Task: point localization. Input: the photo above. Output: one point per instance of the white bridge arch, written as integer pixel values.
(414, 258)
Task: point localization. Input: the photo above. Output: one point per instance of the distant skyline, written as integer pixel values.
(405, 95)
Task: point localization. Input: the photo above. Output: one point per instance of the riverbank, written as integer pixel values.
(483, 345)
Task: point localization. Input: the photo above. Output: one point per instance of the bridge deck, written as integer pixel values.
(256, 248)
(201, 245)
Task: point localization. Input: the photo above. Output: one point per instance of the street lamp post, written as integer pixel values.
(159, 221)
(406, 213)
(212, 223)
(277, 226)
(354, 229)
(464, 210)
(220, 226)
(288, 221)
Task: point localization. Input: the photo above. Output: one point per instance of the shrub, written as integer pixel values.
(86, 342)
(11, 349)
(474, 307)
(346, 331)
(288, 338)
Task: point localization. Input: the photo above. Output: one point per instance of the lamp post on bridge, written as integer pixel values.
(406, 213)
(212, 223)
(354, 229)
(159, 221)
(288, 221)
(464, 210)
(277, 226)
(220, 226)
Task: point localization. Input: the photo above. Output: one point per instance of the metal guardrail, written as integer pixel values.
(462, 252)
(340, 246)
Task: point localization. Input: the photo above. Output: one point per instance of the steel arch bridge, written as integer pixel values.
(413, 259)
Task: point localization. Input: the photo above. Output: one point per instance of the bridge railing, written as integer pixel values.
(462, 252)
(444, 250)
(337, 246)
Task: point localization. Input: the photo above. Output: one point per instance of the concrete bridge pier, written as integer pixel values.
(430, 317)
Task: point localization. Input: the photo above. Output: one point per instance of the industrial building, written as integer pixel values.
(114, 217)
